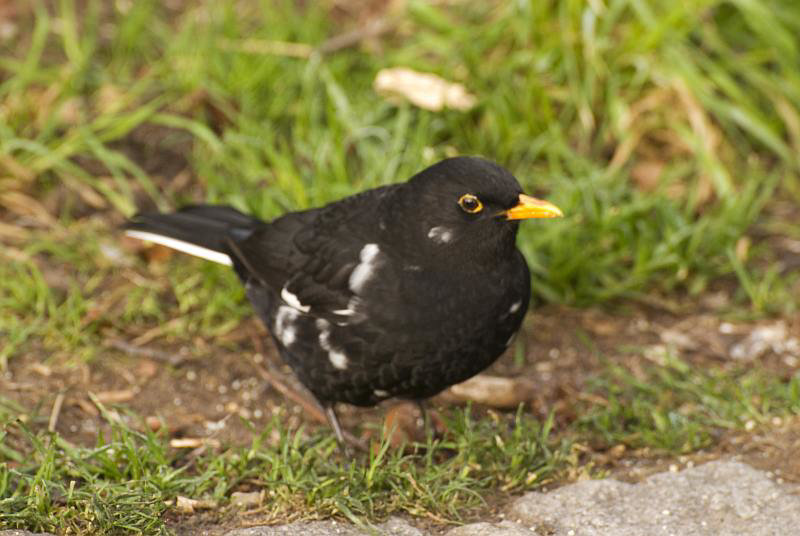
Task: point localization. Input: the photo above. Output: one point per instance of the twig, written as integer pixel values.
(373, 28)
(289, 49)
(150, 353)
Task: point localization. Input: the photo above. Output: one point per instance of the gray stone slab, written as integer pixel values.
(722, 498)
(393, 527)
(504, 528)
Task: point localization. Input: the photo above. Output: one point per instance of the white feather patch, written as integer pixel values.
(440, 234)
(285, 330)
(292, 301)
(180, 245)
(364, 271)
(337, 358)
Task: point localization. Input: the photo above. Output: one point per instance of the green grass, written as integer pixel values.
(667, 132)
(678, 409)
(128, 481)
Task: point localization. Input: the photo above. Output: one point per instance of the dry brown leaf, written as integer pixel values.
(185, 505)
(193, 443)
(493, 391)
(115, 397)
(424, 90)
(42, 369)
(247, 499)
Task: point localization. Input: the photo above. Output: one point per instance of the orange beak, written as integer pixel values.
(530, 207)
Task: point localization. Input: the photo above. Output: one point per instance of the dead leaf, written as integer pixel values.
(242, 499)
(185, 505)
(424, 90)
(115, 397)
(42, 369)
(193, 443)
(494, 391)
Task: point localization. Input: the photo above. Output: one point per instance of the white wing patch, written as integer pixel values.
(337, 358)
(180, 245)
(440, 234)
(515, 307)
(292, 301)
(285, 330)
(365, 269)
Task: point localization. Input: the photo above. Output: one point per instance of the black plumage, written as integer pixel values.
(399, 291)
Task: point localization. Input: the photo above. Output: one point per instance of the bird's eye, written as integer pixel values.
(470, 203)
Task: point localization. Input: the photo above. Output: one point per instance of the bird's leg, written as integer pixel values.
(333, 420)
(345, 439)
(423, 414)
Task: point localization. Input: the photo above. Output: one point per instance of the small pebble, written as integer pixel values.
(726, 328)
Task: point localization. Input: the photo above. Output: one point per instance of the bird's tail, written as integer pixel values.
(201, 230)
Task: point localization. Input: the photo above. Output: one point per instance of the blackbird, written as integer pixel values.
(399, 291)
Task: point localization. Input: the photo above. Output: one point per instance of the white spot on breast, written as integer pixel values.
(292, 301)
(285, 330)
(440, 234)
(365, 269)
(515, 307)
(380, 393)
(337, 358)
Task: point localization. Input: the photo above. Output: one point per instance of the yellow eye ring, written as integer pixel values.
(470, 203)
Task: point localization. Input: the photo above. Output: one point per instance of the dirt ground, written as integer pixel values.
(213, 388)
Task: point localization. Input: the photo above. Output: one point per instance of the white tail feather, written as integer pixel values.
(180, 245)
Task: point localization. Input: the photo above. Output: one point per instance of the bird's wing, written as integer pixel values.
(318, 261)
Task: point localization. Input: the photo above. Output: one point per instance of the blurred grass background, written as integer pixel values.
(661, 128)
(668, 132)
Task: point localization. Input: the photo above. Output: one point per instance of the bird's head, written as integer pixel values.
(466, 207)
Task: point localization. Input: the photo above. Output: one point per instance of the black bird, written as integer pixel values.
(400, 291)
